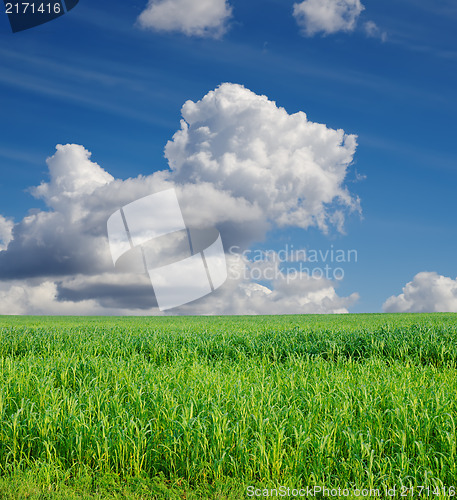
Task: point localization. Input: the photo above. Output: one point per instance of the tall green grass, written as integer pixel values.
(340, 401)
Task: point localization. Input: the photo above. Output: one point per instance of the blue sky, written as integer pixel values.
(96, 78)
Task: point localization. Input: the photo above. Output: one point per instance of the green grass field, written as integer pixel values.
(203, 407)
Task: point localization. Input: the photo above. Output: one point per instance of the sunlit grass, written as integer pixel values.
(354, 400)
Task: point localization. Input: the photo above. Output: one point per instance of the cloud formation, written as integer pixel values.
(286, 293)
(203, 18)
(6, 232)
(289, 169)
(68, 238)
(46, 297)
(327, 16)
(210, 18)
(372, 30)
(239, 163)
(427, 292)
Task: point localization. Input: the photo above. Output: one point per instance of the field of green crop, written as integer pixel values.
(203, 407)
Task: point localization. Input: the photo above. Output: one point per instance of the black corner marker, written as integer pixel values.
(25, 15)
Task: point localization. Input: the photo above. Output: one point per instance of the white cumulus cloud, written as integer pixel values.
(287, 292)
(191, 17)
(6, 232)
(68, 238)
(239, 163)
(46, 298)
(327, 16)
(72, 175)
(290, 169)
(427, 292)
